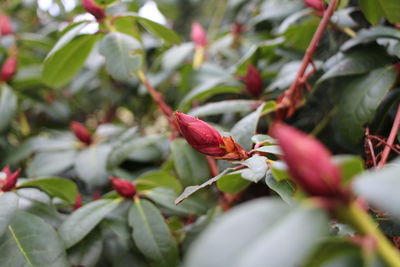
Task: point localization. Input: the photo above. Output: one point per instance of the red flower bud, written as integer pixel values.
(5, 25)
(9, 183)
(8, 69)
(253, 81)
(309, 162)
(237, 29)
(81, 132)
(207, 140)
(78, 202)
(198, 35)
(91, 7)
(318, 5)
(123, 187)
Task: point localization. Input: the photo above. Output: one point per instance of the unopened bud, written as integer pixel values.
(198, 35)
(81, 132)
(318, 5)
(237, 29)
(8, 69)
(10, 181)
(91, 7)
(123, 187)
(253, 81)
(207, 140)
(5, 25)
(78, 202)
(309, 162)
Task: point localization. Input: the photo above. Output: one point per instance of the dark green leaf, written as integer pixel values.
(359, 101)
(232, 183)
(8, 106)
(299, 36)
(123, 55)
(151, 233)
(29, 241)
(156, 179)
(63, 64)
(190, 165)
(80, 223)
(374, 10)
(256, 233)
(283, 188)
(51, 163)
(371, 34)
(88, 251)
(8, 207)
(56, 187)
(222, 107)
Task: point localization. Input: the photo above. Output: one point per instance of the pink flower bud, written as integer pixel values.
(198, 35)
(9, 183)
(78, 202)
(207, 140)
(8, 69)
(237, 29)
(318, 5)
(81, 132)
(5, 25)
(253, 81)
(309, 162)
(91, 7)
(123, 187)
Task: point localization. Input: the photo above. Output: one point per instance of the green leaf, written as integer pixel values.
(62, 65)
(283, 188)
(104, 3)
(51, 163)
(165, 198)
(87, 252)
(90, 164)
(56, 187)
(176, 55)
(349, 166)
(8, 207)
(371, 34)
(256, 168)
(157, 29)
(29, 241)
(223, 107)
(359, 101)
(244, 129)
(8, 106)
(191, 166)
(299, 36)
(123, 55)
(256, 233)
(380, 188)
(232, 183)
(190, 190)
(151, 233)
(156, 179)
(270, 149)
(80, 223)
(374, 10)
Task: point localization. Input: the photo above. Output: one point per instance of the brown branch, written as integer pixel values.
(288, 98)
(390, 141)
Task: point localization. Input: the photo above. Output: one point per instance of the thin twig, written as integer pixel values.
(289, 96)
(390, 141)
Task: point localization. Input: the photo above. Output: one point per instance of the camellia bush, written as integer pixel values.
(225, 133)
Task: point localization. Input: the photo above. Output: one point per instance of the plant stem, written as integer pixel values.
(288, 95)
(361, 221)
(390, 141)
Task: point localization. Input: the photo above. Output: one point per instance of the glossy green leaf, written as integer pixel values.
(151, 233)
(51, 163)
(82, 221)
(244, 129)
(256, 168)
(270, 150)
(190, 165)
(349, 166)
(257, 232)
(223, 107)
(66, 62)
(374, 10)
(8, 207)
(232, 183)
(87, 252)
(176, 55)
(380, 188)
(284, 188)
(156, 179)
(8, 106)
(56, 187)
(371, 34)
(299, 36)
(157, 29)
(165, 198)
(90, 164)
(123, 55)
(29, 241)
(359, 102)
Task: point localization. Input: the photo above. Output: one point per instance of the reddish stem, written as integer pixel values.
(390, 141)
(289, 96)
